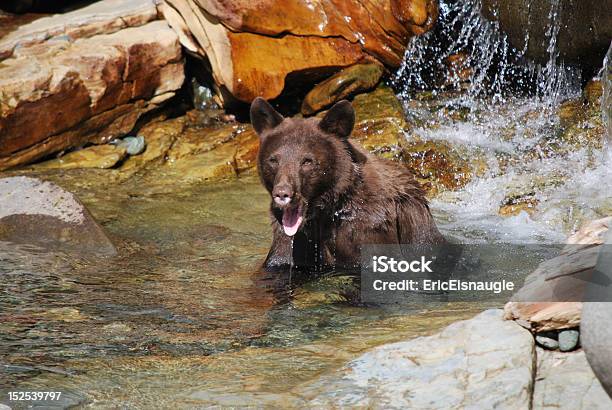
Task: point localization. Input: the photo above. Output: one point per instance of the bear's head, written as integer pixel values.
(305, 164)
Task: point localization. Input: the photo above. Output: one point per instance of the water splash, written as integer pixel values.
(490, 67)
(513, 125)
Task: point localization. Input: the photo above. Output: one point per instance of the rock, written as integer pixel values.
(596, 328)
(483, 362)
(97, 156)
(109, 62)
(346, 83)
(606, 98)
(565, 381)
(43, 214)
(437, 163)
(133, 145)
(596, 324)
(546, 341)
(254, 48)
(593, 91)
(585, 28)
(550, 296)
(568, 340)
(514, 205)
(160, 137)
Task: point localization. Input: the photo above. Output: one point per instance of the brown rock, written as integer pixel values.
(83, 85)
(97, 156)
(346, 83)
(253, 46)
(436, 163)
(561, 278)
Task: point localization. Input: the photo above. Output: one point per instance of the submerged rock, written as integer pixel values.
(43, 214)
(346, 83)
(483, 362)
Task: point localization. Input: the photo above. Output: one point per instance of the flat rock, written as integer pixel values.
(550, 298)
(96, 156)
(483, 362)
(565, 381)
(43, 214)
(108, 62)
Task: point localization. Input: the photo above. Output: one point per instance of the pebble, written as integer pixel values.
(547, 342)
(133, 145)
(568, 340)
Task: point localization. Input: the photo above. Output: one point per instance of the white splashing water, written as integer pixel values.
(569, 188)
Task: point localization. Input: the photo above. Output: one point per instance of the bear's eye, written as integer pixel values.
(307, 161)
(273, 161)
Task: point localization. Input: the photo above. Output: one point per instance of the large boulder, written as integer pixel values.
(256, 48)
(83, 77)
(597, 323)
(565, 381)
(584, 27)
(551, 298)
(41, 213)
(483, 362)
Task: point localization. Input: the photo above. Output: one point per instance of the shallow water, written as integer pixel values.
(183, 310)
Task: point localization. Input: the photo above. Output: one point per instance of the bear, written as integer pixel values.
(329, 196)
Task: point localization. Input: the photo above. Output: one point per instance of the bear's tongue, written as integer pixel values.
(292, 219)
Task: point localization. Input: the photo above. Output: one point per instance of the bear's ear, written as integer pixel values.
(263, 116)
(339, 120)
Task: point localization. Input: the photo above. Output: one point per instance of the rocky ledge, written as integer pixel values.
(256, 48)
(484, 362)
(82, 77)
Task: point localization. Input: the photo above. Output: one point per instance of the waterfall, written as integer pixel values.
(606, 99)
(496, 68)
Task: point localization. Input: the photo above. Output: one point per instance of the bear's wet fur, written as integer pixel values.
(329, 195)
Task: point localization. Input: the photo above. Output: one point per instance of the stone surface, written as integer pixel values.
(109, 62)
(547, 342)
(97, 156)
(568, 340)
(565, 381)
(562, 278)
(133, 145)
(585, 28)
(344, 84)
(596, 339)
(483, 362)
(255, 47)
(596, 327)
(43, 214)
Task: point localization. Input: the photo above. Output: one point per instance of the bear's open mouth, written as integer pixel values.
(292, 219)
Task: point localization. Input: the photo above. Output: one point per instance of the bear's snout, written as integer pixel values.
(282, 194)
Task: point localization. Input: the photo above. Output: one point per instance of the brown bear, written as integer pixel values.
(329, 195)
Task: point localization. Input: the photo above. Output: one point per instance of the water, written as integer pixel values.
(520, 119)
(183, 309)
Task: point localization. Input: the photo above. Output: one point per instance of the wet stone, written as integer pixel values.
(547, 342)
(43, 214)
(568, 340)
